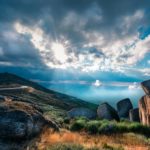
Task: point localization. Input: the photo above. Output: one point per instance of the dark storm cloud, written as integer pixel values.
(86, 16)
(17, 50)
(30, 11)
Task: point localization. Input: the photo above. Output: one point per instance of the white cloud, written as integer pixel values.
(55, 54)
(133, 86)
(4, 63)
(145, 71)
(117, 54)
(97, 83)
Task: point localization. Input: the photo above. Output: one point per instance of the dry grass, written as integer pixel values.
(128, 141)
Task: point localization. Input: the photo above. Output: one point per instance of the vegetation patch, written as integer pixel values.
(78, 124)
(108, 127)
(109, 147)
(67, 146)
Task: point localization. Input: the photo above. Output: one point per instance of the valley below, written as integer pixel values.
(33, 117)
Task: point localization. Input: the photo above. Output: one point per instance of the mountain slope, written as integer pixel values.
(38, 94)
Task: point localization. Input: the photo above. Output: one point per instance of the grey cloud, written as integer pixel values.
(52, 13)
(50, 16)
(17, 49)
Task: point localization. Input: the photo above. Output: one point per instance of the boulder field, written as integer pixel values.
(124, 109)
(105, 111)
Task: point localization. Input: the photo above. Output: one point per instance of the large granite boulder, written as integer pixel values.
(144, 110)
(81, 112)
(146, 86)
(19, 120)
(134, 115)
(105, 111)
(123, 108)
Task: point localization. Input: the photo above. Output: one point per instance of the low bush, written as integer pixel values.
(66, 120)
(139, 128)
(68, 146)
(121, 127)
(93, 148)
(108, 127)
(78, 124)
(65, 147)
(93, 126)
(109, 147)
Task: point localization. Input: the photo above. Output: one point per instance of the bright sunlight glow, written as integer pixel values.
(59, 52)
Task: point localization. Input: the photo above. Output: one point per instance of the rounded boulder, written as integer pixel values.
(123, 108)
(105, 111)
(19, 120)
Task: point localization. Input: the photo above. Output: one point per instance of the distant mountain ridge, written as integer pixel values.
(9, 79)
(40, 95)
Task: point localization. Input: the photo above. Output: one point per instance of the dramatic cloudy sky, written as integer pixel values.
(70, 40)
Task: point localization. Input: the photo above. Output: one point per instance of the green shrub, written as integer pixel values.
(108, 127)
(109, 147)
(81, 118)
(77, 125)
(124, 120)
(104, 121)
(66, 120)
(139, 128)
(60, 120)
(135, 127)
(93, 148)
(65, 147)
(92, 126)
(122, 127)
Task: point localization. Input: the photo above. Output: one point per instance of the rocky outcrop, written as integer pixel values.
(123, 108)
(134, 115)
(105, 111)
(144, 104)
(144, 110)
(81, 112)
(20, 121)
(146, 86)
